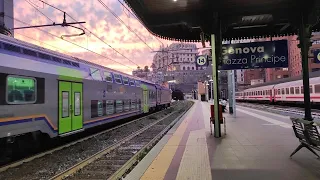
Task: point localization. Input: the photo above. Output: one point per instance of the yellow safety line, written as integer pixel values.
(158, 168)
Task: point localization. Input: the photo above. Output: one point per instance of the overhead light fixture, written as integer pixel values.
(175, 0)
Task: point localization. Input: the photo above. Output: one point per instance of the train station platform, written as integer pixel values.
(257, 146)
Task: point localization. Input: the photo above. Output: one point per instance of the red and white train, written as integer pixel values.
(286, 92)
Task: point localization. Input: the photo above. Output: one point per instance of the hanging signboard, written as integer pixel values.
(316, 54)
(201, 61)
(268, 54)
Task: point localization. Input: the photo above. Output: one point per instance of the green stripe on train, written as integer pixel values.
(68, 74)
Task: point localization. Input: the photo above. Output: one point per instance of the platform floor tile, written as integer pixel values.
(253, 150)
(195, 160)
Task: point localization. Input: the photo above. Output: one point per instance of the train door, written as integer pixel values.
(274, 93)
(70, 106)
(145, 98)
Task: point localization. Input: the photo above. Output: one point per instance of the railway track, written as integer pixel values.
(283, 110)
(115, 146)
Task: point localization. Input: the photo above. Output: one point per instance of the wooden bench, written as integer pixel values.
(308, 135)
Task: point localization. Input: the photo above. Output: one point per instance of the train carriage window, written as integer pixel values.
(125, 80)
(119, 106)
(302, 90)
(133, 104)
(110, 107)
(279, 91)
(127, 105)
(21, 90)
(137, 83)
(317, 88)
(95, 74)
(138, 104)
(107, 76)
(297, 90)
(311, 90)
(132, 82)
(282, 91)
(287, 90)
(291, 90)
(117, 78)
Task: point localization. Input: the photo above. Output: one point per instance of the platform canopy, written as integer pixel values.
(184, 20)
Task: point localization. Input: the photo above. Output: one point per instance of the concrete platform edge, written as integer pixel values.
(143, 165)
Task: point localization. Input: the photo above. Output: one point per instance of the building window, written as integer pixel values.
(184, 68)
(192, 68)
(188, 68)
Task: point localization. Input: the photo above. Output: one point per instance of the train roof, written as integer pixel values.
(73, 60)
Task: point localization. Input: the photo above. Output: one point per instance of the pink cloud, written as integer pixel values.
(98, 20)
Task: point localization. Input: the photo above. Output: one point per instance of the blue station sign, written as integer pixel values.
(268, 54)
(316, 54)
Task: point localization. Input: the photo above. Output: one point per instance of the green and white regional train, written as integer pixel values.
(46, 92)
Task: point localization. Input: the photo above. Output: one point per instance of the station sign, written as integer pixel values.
(316, 54)
(268, 54)
(201, 61)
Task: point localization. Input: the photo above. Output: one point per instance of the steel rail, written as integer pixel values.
(99, 154)
(129, 165)
(29, 159)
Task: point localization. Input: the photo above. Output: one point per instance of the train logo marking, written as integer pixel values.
(201, 60)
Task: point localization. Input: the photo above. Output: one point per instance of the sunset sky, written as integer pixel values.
(99, 20)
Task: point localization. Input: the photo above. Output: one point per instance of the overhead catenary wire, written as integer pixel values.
(137, 19)
(70, 42)
(39, 11)
(91, 33)
(119, 19)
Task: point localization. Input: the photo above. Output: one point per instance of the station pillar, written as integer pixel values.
(217, 126)
(231, 92)
(304, 36)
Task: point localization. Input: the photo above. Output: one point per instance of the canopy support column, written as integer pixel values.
(304, 36)
(216, 45)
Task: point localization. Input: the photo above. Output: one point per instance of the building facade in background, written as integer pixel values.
(177, 56)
